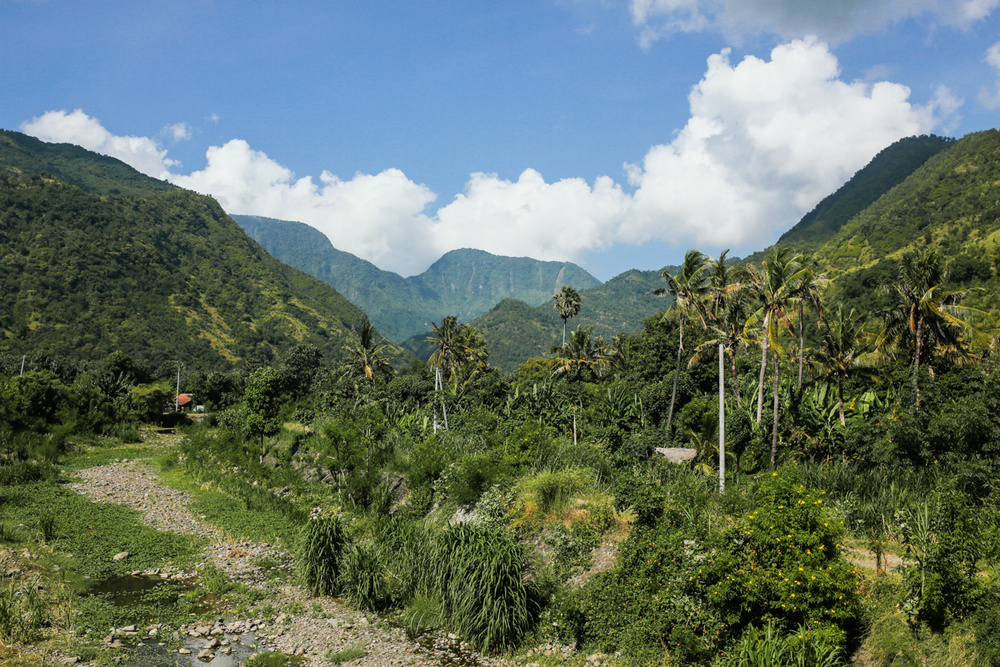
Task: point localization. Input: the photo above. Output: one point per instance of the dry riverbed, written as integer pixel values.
(328, 626)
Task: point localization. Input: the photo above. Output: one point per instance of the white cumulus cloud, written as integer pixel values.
(831, 21)
(178, 131)
(378, 217)
(990, 97)
(765, 142)
(78, 128)
(531, 217)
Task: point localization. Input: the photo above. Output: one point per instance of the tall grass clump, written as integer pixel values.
(767, 648)
(321, 555)
(22, 613)
(484, 587)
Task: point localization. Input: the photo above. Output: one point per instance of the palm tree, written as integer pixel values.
(689, 288)
(368, 353)
(567, 302)
(727, 330)
(721, 285)
(925, 315)
(775, 289)
(844, 349)
(581, 352)
(461, 352)
(446, 340)
(809, 291)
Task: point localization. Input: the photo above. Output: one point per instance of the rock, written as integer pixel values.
(120, 556)
(184, 651)
(677, 454)
(206, 654)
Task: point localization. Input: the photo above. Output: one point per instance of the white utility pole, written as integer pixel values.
(722, 420)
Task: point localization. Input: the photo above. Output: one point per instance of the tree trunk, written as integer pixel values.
(763, 368)
(774, 427)
(722, 419)
(802, 342)
(840, 398)
(564, 332)
(916, 361)
(736, 381)
(677, 372)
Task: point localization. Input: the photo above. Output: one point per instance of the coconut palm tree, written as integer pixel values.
(774, 287)
(689, 288)
(461, 352)
(809, 291)
(567, 302)
(368, 352)
(844, 350)
(721, 282)
(727, 329)
(925, 315)
(582, 352)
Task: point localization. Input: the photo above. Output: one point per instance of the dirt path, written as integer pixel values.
(866, 559)
(326, 626)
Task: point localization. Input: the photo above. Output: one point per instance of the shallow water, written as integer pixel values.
(141, 592)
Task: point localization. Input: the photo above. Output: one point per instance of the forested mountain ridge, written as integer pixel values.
(890, 167)
(71, 164)
(464, 282)
(160, 273)
(516, 331)
(951, 203)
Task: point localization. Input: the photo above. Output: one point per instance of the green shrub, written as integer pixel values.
(685, 589)
(321, 555)
(366, 578)
(22, 612)
(344, 655)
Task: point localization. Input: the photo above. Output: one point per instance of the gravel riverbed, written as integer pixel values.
(327, 626)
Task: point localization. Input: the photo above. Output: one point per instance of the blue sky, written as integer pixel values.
(614, 134)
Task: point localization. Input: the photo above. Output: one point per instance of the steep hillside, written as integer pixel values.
(161, 273)
(464, 282)
(952, 203)
(94, 173)
(886, 170)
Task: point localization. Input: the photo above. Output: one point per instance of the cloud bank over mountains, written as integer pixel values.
(764, 142)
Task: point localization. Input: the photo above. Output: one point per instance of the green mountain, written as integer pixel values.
(516, 331)
(96, 257)
(463, 282)
(951, 203)
(888, 169)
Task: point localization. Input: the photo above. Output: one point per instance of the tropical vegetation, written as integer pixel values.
(858, 523)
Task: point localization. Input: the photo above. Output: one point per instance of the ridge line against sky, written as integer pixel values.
(616, 135)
